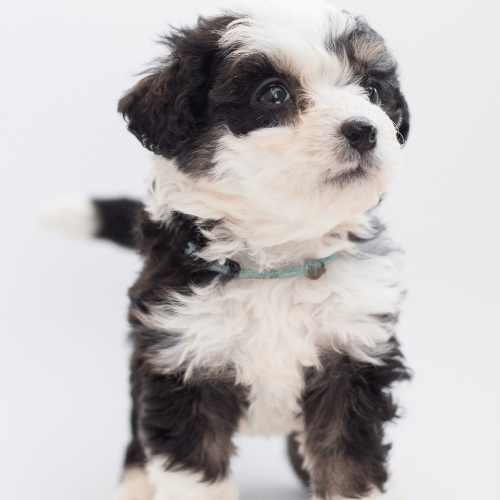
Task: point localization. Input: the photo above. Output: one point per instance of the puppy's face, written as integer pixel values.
(279, 122)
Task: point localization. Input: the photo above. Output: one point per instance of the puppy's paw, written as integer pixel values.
(186, 485)
(134, 486)
(392, 493)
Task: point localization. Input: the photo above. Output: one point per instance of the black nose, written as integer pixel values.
(362, 135)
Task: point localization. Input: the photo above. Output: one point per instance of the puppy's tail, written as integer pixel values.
(79, 217)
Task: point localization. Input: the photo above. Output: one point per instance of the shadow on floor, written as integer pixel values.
(274, 493)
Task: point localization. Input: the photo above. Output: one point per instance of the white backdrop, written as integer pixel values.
(64, 396)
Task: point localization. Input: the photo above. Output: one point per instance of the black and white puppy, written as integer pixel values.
(277, 130)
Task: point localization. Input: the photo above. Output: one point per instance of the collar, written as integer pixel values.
(313, 269)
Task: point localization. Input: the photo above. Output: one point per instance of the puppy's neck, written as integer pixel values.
(239, 232)
(223, 245)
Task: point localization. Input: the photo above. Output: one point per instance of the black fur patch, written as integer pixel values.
(190, 423)
(167, 267)
(345, 406)
(117, 219)
(234, 98)
(135, 456)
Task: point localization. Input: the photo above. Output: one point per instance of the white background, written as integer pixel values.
(63, 370)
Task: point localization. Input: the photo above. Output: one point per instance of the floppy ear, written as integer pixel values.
(153, 114)
(404, 125)
(167, 108)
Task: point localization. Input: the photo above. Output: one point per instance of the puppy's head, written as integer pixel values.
(281, 122)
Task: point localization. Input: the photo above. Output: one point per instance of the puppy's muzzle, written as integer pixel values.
(361, 134)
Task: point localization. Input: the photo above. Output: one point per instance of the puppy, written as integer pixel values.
(270, 291)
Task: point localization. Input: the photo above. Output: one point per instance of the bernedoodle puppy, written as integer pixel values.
(270, 291)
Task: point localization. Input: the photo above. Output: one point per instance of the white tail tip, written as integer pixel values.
(74, 216)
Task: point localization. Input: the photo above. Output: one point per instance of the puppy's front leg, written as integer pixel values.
(187, 428)
(345, 406)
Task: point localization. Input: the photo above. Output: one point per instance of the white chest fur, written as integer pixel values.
(269, 330)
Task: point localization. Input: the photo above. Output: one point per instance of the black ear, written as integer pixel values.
(154, 115)
(404, 123)
(168, 107)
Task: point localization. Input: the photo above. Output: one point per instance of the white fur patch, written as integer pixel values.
(134, 486)
(292, 34)
(184, 485)
(73, 216)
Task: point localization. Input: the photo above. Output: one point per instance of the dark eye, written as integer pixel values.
(274, 95)
(373, 94)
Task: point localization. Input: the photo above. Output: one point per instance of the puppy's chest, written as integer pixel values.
(268, 332)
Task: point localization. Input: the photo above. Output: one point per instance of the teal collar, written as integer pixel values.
(313, 269)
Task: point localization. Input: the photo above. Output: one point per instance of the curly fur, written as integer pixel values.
(265, 187)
